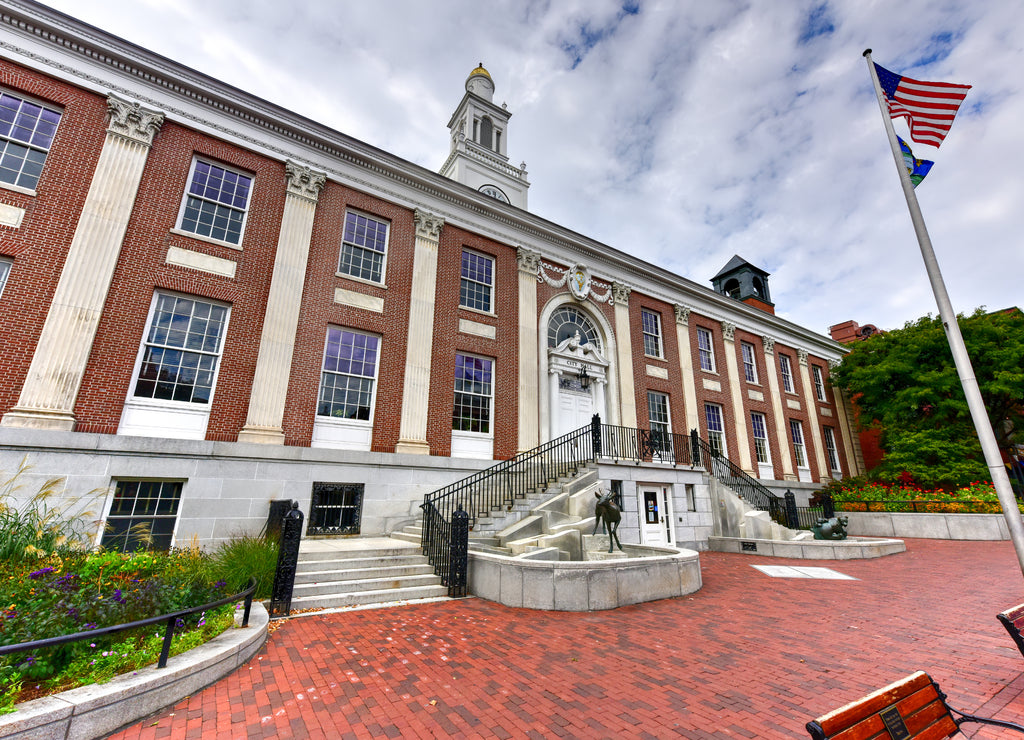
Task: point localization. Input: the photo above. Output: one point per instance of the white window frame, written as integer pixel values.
(341, 433)
(786, 369)
(706, 354)
(662, 426)
(101, 536)
(796, 436)
(759, 423)
(180, 227)
(652, 335)
(484, 288)
(832, 451)
(819, 383)
(161, 417)
(6, 139)
(749, 362)
(379, 280)
(466, 443)
(6, 266)
(716, 434)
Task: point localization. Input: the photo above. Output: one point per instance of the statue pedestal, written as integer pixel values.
(595, 547)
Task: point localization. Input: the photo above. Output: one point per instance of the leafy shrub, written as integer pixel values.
(858, 494)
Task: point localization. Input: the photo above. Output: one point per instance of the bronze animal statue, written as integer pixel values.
(608, 515)
(831, 529)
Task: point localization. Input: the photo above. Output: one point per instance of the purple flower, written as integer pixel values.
(118, 597)
(220, 584)
(90, 626)
(40, 573)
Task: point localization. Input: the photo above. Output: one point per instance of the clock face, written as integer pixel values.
(494, 193)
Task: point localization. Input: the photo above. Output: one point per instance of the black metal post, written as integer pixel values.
(828, 507)
(287, 560)
(595, 434)
(694, 447)
(165, 649)
(792, 517)
(458, 560)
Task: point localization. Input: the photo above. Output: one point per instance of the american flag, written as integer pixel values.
(929, 107)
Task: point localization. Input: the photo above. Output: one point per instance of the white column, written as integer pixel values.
(781, 430)
(529, 401)
(624, 346)
(812, 414)
(599, 400)
(553, 377)
(412, 436)
(264, 423)
(47, 398)
(686, 363)
(851, 443)
(736, 393)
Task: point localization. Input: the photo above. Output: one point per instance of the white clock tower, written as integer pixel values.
(479, 140)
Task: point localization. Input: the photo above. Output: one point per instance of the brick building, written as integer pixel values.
(215, 303)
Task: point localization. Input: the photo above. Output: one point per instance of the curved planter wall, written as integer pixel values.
(589, 585)
(97, 710)
(927, 526)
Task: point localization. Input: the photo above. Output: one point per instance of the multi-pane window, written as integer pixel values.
(26, 133)
(819, 383)
(760, 431)
(477, 281)
(142, 515)
(716, 427)
(796, 434)
(786, 368)
(348, 376)
(651, 323)
(568, 321)
(474, 391)
(705, 350)
(749, 364)
(216, 202)
(363, 246)
(182, 349)
(830, 448)
(5, 270)
(657, 412)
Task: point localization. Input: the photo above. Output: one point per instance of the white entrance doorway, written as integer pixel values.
(656, 515)
(575, 408)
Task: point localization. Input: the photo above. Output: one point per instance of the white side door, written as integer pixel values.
(656, 515)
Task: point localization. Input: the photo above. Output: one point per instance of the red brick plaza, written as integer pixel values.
(747, 656)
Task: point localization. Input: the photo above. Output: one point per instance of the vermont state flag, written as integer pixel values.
(917, 168)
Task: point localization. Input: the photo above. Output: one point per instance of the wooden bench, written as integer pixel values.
(914, 707)
(1013, 620)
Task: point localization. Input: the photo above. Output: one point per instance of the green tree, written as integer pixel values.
(906, 385)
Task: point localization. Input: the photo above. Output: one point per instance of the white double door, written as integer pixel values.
(575, 409)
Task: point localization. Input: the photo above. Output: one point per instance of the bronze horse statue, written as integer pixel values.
(608, 515)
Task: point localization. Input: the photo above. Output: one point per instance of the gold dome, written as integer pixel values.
(481, 71)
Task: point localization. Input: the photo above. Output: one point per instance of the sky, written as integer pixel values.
(682, 132)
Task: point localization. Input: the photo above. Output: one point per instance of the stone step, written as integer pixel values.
(355, 551)
(418, 568)
(345, 587)
(364, 598)
(406, 537)
(361, 563)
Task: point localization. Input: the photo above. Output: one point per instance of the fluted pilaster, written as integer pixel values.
(416, 386)
(264, 421)
(624, 345)
(529, 386)
(54, 378)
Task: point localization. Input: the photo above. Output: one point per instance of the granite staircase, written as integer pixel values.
(362, 571)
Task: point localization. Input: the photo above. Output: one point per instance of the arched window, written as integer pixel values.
(568, 320)
(732, 288)
(486, 133)
(758, 288)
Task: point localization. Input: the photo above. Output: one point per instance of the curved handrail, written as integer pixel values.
(171, 619)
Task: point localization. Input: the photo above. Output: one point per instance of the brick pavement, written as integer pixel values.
(748, 656)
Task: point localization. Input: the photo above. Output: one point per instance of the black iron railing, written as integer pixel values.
(495, 489)
(644, 445)
(170, 621)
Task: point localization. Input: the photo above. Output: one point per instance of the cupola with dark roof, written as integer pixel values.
(743, 281)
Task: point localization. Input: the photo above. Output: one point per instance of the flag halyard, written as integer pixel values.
(929, 107)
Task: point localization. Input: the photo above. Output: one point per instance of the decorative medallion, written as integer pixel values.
(579, 282)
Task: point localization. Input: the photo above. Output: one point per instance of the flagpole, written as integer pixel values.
(961, 359)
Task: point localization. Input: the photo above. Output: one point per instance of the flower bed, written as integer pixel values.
(79, 592)
(977, 498)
